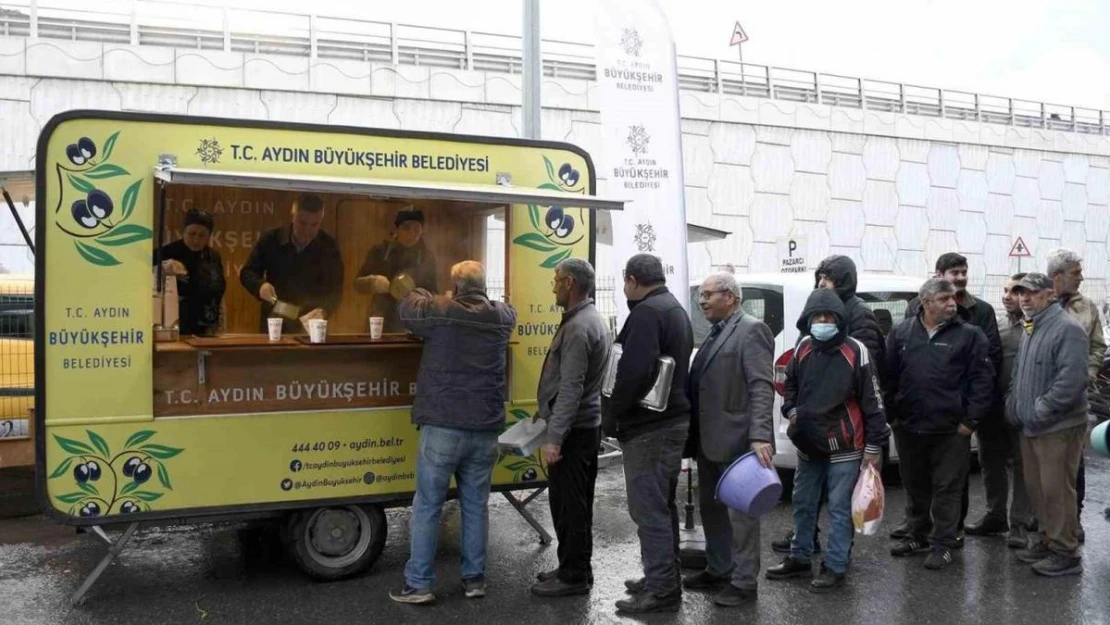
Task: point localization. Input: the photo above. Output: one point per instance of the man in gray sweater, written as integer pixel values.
(1048, 401)
(569, 398)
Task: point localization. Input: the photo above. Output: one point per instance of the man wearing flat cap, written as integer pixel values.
(402, 255)
(1048, 403)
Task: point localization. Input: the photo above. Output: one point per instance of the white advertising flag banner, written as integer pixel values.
(642, 138)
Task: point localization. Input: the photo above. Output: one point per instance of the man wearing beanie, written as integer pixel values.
(402, 253)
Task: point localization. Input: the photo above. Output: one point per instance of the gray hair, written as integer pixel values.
(727, 282)
(582, 273)
(1059, 259)
(470, 275)
(934, 287)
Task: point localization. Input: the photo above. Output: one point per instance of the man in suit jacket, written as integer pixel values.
(731, 400)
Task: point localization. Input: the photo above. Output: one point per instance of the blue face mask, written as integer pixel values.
(823, 331)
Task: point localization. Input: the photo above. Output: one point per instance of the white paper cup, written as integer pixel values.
(317, 330)
(274, 326)
(376, 325)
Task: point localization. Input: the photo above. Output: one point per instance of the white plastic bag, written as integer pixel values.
(868, 499)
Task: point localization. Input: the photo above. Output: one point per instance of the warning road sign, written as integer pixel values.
(1020, 249)
(738, 35)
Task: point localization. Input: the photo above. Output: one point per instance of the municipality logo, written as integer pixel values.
(638, 139)
(644, 237)
(631, 42)
(209, 151)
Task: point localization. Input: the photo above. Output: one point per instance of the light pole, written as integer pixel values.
(533, 69)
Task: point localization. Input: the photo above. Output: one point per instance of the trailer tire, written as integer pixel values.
(336, 542)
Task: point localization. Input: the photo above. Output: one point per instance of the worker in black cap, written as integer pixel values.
(200, 275)
(403, 259)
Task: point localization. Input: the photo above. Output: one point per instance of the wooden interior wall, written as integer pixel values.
(454, 232)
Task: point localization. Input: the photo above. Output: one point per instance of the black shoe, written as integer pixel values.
(909, 547)
(959, 542)
(986, 526)
(704, 580)
(635, 586)
(827, 581)
(1018, 538)
(790, 568)
(1081, 535)
(938, 558)
(733, 597)
(1034, 553)
(646, 602)
(1057, 565)
(901, 532)
(556, 587)
(543, 576)
(783, 545)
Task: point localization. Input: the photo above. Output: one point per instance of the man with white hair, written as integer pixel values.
(1065, 269)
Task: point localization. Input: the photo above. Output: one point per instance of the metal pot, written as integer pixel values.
(400, 286)
(286, 310)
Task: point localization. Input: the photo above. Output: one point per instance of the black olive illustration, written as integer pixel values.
(568, 175)
(565, 228)
(94, 470)
(100, 205)
(81, 473)
(86, 147)
(128, 507)
(554, 217)
(529, 475)
(129, 467)
(73, 153)
(83, 215)
(90, 509)
(142, 473)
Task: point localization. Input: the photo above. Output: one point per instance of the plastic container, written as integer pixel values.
(660, 393)
(1099, 438)
(524, 438)
(749, 487)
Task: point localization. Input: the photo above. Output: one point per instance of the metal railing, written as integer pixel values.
(206, 27)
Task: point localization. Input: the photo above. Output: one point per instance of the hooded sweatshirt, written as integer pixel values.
(862, 324)
(833, 391)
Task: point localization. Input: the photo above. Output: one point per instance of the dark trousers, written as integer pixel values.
(731, 537)
(571, 495)
(652, 462)
(933, 468)
(1000, 459)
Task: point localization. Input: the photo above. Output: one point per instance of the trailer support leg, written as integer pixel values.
(521, 507)
(114, 549)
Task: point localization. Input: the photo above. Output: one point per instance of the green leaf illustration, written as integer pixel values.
(122, 235)
(518, 465)
(71, 497)
(82, 185)
(535, 241)
(88, 488)
(127, 489)
(551, 261)
(164, 476)
(161, 452)
(550, 169)
(99, 442)
(534, 216)
(109, 145)
(520, 414)
(550, 187)
(62, 469)
(138, 437)
(106, 170)
(146, 495)
(95, 255)
(73, 447)
(130, 196)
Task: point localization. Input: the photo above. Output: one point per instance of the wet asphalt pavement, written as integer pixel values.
(225, 574)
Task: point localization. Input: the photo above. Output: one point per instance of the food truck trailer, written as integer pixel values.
(142, 425)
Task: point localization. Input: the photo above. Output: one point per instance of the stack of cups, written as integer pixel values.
(274, 326)
(376, 325)
(317, 330)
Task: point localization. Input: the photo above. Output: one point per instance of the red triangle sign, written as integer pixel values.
(1020, 249)
(738, 35)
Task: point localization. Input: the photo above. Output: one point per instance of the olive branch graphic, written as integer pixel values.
(524, 469)
(551, 234)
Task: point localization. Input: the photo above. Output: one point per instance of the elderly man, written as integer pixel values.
(569, 399)
(652, 441)
(731, 399)
(1048, 401)
(939, 386)
(460, 411)
(1065, 269)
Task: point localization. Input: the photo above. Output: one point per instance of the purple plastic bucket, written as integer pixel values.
(748, 487)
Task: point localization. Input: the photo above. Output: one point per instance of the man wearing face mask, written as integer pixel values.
(403, 253)
(939, 386)
(834, 405)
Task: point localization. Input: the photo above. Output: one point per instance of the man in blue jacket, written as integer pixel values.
(460, 411)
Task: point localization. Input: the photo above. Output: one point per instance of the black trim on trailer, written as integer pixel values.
(40, 287)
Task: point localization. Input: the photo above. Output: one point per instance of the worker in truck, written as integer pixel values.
(200, 274)
(403, 254)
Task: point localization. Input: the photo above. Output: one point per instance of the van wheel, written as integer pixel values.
(338, 541)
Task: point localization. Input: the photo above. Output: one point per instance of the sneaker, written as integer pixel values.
(901, 532)
(790, 568)
(475, 587)
(733, 597)
(986, 526)
(909, 547)
(827, 581)
(416, 596)
(703, 580)
(938, 558)
(1057, 565)
(1034, 553)
(1018, 538)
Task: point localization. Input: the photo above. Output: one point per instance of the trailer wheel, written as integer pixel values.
(336, 542)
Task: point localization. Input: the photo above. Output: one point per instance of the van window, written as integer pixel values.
(889, 308)
(763, 303)
(16, 316)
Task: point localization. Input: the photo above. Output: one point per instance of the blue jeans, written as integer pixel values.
(839, 478)
(469, 456)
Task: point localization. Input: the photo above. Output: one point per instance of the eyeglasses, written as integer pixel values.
(704, 295)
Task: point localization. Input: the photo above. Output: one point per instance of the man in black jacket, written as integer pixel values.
(651, 441)
(939, 386)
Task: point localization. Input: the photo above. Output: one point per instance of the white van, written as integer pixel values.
(778, 299)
